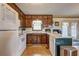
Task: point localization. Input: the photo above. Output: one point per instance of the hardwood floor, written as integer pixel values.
(36, 50)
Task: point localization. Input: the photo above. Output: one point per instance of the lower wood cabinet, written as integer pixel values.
(36, 38)
(68, 53)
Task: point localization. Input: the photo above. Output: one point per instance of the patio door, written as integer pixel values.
(74, 30)
(65, 26)
(69, 29)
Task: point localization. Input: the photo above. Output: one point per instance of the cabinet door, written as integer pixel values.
(74, 53)
(29, 39)
(22, 21)
(29, 22)
(34, 39)
(39, 39)
(43, 38)
(47, 22)
(65, 52)
(47, 39)
(26, 22)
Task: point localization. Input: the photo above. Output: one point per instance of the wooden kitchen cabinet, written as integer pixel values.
(68, 51)
(29, 37)
(46, 19)
(74, 53)
(29, 23)
(33, 38)
(22, 21)
(43, 38)
(36, 38)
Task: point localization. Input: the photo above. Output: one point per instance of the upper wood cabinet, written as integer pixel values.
(22, 20)
(46, 19)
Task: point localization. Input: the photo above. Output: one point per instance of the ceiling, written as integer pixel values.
(56, 9)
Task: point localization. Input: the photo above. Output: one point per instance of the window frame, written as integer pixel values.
(37, 29)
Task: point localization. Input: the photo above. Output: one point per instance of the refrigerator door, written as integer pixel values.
(9, 24)
(9, 43)
(9, 18)
(0, 12)
(5, 25)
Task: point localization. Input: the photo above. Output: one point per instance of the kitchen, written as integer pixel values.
(37, 28)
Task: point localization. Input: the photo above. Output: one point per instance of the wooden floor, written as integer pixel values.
(36, 50)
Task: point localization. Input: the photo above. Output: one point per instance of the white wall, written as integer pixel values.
(57, 20)
(60, 20)
(64, 19)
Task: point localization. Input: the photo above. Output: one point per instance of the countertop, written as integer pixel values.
(68, 48)
(29, 30)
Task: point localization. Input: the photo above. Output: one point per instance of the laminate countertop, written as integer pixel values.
(68, 48)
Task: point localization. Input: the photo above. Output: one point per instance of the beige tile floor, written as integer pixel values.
(36, 50)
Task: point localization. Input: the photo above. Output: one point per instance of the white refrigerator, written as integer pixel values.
(11, 43)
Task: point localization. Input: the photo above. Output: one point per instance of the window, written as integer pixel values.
(74, 30)
(69, 29)
(37, 25)
(65, 29)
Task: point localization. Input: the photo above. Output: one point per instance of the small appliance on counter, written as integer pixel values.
(57, 30)
(48, 30)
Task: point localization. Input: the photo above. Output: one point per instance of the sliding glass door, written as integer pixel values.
(65, 29)
(74, 30)
(69, 29)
